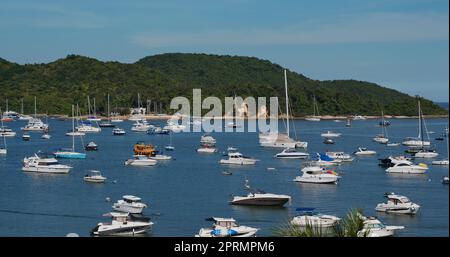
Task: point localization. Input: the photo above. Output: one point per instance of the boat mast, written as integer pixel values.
(7, 109)
(73, 130)
(89, 107)
(21, 106)
(93, 111)
(421, 125)
(108, 107)
(287, 102)
(35, 107)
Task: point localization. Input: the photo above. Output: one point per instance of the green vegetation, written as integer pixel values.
(161, 77)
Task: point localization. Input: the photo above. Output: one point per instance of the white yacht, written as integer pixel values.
(407, 167)
(309, 217)
(315, 116)
(398, 204)
(123, 224)
(226, 227)
(317, 175)
(44, 165)
(374, 228)
(141, 126)
(330, 134)
(86, 127)
(260, 198)
(340, 156)
(140, 160)
(129, 204)
(281, 140)
(238, 159)
(35, 124)
(94, 176)
(364, 151)
(207, 144)
(207, 139)
(291, 153)
(6, 132)
(381, 139)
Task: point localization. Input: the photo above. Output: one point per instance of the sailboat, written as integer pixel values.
(5, 131)
(281, 140)
(3, 149)
(35, 124)
(233, 123)
(315, 107)
(383, 137)
(424, 153)
(444, 161)
(23, 116)
(417, 141)
(107, 124)
(70, 153)
(137, 116)
(92, 117)
(8, 116)
(170, 147)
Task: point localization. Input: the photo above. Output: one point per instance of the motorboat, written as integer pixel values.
(317, 175)
(75, 133)
(392, 144)
(46, 136)
(44, 165)
(309, 217)
(207, 139)
(169, 148)
(445, 180)
(129, 204)
(206, 149)
(116, 120)
(86, 127)
(118, 132)
(140, 148)
(207, 144)
(407, 167)
(281, 140)
(340, 156)
(106, 124)
(413, 141)
(440, 162)
(26, 137)
(158, 131)
(226, 227)
(233, 124)
(330, 134)
(329, 141)
(374, 228)
(161, 157)
(174, 126)
(391, 161)
(312, 118)
(364, 151)
(291, 153)
(3, 149)
(6, 132)
(260, 198)
(140, 160)
(94, 176)
(122, 224)
(426, 153)
(141, 126)
(238, 159)
(398, 204)
(35, 124)
(91, 146)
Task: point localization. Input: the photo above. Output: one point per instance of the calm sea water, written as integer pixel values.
(182, 192)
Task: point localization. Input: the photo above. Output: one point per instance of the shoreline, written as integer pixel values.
(326, 117)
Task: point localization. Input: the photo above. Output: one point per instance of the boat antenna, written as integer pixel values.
(287, 102)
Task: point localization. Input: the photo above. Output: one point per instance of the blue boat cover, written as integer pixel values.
(325, 157)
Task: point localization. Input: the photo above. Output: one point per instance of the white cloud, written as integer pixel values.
(376, 27)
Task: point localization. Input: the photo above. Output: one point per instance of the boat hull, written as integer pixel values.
(260, 201)
(68, 155)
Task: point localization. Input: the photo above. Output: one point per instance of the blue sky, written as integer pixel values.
(401, 44)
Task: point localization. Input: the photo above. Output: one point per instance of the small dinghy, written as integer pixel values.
(91, 146)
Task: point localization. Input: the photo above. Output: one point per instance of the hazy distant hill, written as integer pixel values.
(443, 105)
(161, 77)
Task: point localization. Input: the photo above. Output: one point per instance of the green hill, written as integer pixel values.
(161, 77)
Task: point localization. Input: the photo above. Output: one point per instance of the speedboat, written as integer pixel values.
(129, 204)
(106, 124)
(118, 132)
(116, 120)
(207, 139)
(94, 176)
(291, 153)
(426, 153)
(226, 227)
(340, 156)
(91, 146)
(169, 148)
(26, 137)
(330, 134)
(328, 141)
(141, 126)
(260, 198)
(317, 175)
(309, 217)
(140, 160)
(44, 165)
(391, 161)
(7, 132)
(407, 167)
(122, 224)
(374, 228)
(364, 151)
(398, 204)
(440, 162)
(238, 158)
